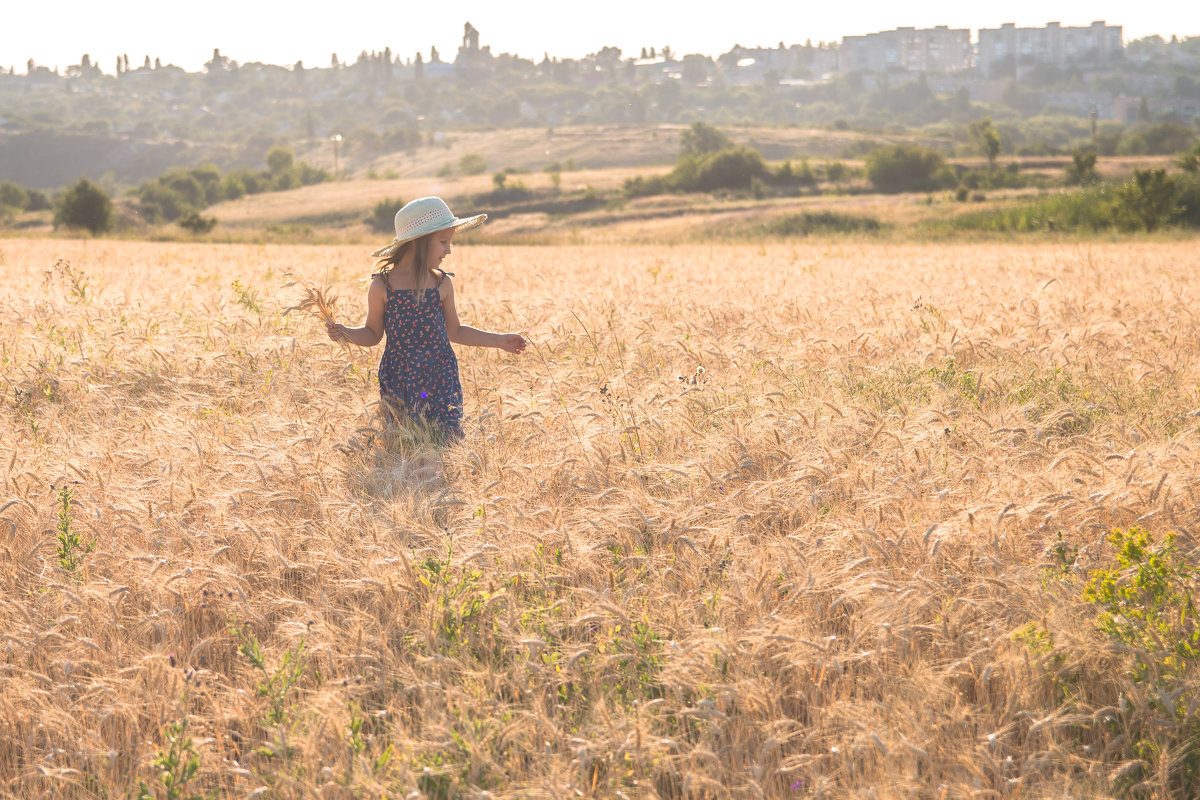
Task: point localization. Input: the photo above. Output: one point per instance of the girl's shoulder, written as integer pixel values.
(442, 281)
(378, 289)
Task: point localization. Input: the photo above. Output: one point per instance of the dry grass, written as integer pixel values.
(745, 522)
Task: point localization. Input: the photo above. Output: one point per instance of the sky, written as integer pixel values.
(57, 34)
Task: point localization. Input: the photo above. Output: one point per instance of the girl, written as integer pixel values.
(411, 301)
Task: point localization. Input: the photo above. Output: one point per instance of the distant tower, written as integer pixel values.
(470, 40)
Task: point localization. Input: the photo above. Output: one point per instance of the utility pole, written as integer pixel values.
(337, 140)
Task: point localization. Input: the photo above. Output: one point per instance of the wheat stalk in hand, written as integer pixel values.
(315, 301)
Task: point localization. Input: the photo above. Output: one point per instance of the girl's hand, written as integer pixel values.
(336, 331)
(512, 342)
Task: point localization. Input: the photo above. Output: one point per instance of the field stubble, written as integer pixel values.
(742, 522)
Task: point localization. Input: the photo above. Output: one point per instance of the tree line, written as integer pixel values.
(178, 195)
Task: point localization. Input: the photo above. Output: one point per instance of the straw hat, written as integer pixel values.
(425, 215)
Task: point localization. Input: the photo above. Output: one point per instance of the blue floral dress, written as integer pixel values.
(418, 373)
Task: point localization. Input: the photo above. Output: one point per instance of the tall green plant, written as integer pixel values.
(1148, 605)
(72, 548)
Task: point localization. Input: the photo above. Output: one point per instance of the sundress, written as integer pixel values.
(418, 373)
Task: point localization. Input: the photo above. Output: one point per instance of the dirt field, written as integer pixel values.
(790, 520)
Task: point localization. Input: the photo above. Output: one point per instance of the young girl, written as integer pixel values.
(411, 301)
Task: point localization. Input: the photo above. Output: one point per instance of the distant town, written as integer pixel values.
(1044, 88)
(948, 57)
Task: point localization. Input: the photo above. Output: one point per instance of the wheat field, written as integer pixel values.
(773, 521)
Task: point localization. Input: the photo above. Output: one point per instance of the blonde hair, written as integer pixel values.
(420, 250)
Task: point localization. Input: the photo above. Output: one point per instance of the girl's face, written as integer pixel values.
(439, 247)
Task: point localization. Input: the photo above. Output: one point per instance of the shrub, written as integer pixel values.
(821, 222)
(733, 168)
(836, 171)
(472, 164)
(13, 196)
(1149, 200)
(904, 168)
(195, 223)
(795, 177)
(645, 186)
(1190, 161)
(1147, 603)
(1145, 201)
(38, 201)
(85, 205)
(280, 159)
(702, 138)
(1082, 170)
(382, 218)
(232, 187)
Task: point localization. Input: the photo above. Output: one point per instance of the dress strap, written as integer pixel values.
(444, 276)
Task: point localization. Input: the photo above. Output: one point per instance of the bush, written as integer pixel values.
(197, 224)
(232, 187)
(905, 168)
(1145, 201)
(1082, 170)
(1147, 604)
(38, 201)
(733, 168)
(85, 205)
(383, 216)
(472, 164)
(701, 139)
(13, 196)
(280, 159)
(793, 178)
(836, 171)
(645, 187)
(1148, 201)
(821, 222)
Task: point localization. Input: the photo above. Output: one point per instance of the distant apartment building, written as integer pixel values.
(930, 50)
(1005, 50)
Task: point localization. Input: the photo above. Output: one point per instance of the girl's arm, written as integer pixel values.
(370, 333)
(473, 337)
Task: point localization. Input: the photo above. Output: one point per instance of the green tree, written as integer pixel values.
(702, 138)
(85, 205)
(280, 159)
(904, 168)
(13, 196)
(38, 201)
(1190, 161)
(1082, 169)
(1146, 200)
(988, 139)
(472, 164)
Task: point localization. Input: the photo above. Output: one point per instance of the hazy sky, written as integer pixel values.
(58, 33)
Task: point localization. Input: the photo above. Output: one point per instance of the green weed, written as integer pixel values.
(275, 685)
(177, 767)
(247, 297)
(72, 548)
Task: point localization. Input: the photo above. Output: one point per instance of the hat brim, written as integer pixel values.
(459, 224)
